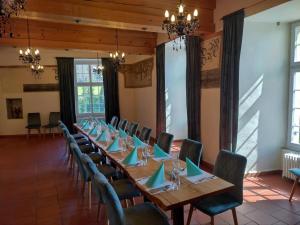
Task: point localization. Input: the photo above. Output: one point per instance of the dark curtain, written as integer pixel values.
(111, 90)
(65, 69)
(232, 42)
(193, 86)
(160, 90)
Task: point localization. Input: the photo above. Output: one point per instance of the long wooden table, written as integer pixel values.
(169, 200)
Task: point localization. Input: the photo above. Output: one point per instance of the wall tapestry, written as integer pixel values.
(211, 61)
(139, 74)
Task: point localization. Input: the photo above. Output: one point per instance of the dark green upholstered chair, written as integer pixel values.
(132, 129)
(124, 187)
(164, 141)
(122, 124)
(54, 117)
(230, 167)
(114, 121)
(33, 123)
(296, 173)
(192, 150)
(141, 214)
(145, 134)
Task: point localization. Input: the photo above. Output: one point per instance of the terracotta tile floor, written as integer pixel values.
(38, 189)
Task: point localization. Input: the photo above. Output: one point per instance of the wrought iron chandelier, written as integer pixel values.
(30, 55)
(9, 8)
(98, 70)
(118, 58)
(36, 70)
(181, 24)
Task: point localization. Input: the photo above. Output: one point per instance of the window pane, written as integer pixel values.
(297, 45)
(84, 99)
(82, 73)
(296, 99)
(96, 78)
(98, 99)
(295, 135)
(297, 81)
(296, 117)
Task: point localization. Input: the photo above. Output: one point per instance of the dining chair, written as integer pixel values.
(76, 136)
(54, 117)
(132, 128)
(230, 167)
(124, 187)
(192, 150)
(141, 214)
(122, 124)
(114, 121)
(164, 141)
(296, 173)
(33, 123)
(145, 134)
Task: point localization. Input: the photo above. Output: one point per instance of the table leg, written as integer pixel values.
(178, 215)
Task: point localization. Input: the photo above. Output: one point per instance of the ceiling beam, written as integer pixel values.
(142, 15)
(66, 36)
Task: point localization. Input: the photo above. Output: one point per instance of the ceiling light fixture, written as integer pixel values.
(118, 58)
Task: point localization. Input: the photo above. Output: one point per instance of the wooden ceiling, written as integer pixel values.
(91, 24)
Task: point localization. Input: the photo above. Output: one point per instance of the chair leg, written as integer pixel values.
(212, 220)
(90, 194)
(28, 133)
(190, 215)
(39, 132)
(83, 188)
(98, 211)
(294, 188)
(77, 175)
(132, 202)
(234, 216)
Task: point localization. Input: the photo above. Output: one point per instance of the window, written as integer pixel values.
(89, 92)
(294, 102)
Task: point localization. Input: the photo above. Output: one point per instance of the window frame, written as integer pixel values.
(90, 63)
(294, 67)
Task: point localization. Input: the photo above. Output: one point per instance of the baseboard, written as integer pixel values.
(263, 173)
(25, 135)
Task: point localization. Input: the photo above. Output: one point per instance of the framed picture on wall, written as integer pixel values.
(14, 108)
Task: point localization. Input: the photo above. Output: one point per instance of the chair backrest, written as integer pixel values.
(113, 205)
(34, 119)
(164, 141)
(122, 124)
(231, 167)
(114, 121)
(192, 150)
(132, 128)
(77, 154)
(98, 179)
(54, 118)
(145, 134)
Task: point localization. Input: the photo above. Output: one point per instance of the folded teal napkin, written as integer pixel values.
(114, 147)
(158, 178)
(131, 158)
(102, 122)
(159, 153)
(85, 126)
(122, 133)
(192, 169)
(111, 128)
(138, 143)
(93, 131)
(104, 136)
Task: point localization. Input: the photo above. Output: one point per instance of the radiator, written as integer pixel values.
(290, 159)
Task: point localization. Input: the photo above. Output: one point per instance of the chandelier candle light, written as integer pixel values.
(98, 70)
(37, 69)
(181, 24)
(118, 58)
(30, 55)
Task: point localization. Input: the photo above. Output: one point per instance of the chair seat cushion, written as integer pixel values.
(145, 214)
(78, 136)
(33, 126)
(107, 170)
(96, 157)
(216, 204)
(87, 149)
(125, 189)
(295, 171)
(82, 141)
(50, 126)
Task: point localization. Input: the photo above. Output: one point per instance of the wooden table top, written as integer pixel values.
(187, 192)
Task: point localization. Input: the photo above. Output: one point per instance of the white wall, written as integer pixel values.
(175, 84)
(264, 78)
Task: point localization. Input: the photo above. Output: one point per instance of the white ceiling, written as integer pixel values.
(287, 12)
